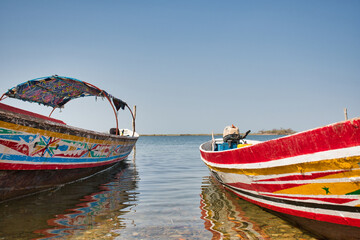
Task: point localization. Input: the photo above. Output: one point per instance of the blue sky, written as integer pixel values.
(190, 66)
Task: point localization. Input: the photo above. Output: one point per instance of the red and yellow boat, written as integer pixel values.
(311, 178)
(38, 152)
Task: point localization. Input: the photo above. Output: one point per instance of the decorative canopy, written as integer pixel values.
(56, 91)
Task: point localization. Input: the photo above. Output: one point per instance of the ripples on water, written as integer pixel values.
(163, 191)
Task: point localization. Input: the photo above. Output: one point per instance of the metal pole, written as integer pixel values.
(345, 113)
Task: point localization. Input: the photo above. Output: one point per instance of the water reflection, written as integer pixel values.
(223, 215)
(114, 199)
(73, 208)
(228, 217)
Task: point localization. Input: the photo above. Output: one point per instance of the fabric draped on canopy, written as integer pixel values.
(56, 91)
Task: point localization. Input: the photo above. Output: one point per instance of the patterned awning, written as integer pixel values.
(56, 91)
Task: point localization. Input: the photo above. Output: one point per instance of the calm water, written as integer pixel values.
(163, 191)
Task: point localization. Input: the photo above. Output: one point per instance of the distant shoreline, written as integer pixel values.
(274, 131)
(199, 134)
(180, 134)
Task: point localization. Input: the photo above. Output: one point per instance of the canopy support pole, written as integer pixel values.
(52, 112)
(115, 112)
(3, 97)
(133, 117)
(112, 105)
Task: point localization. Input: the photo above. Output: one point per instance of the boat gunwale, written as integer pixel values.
(335, 137)
(280, 138)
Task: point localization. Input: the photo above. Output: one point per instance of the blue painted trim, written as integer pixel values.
(29, 159)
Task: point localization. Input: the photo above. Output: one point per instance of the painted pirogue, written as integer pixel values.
(39, 152)
(311, 178)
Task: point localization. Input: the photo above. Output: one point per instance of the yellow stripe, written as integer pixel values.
(347, 163)
(348, 174)
(338, 188)
(37, 131)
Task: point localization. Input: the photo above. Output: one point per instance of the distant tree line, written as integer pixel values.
(280, 131)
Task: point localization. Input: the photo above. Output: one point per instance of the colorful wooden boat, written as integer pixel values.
(310, 178)
(39, 152)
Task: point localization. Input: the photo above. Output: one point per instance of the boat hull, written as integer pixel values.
(311, 178)
(39, 153)
(15, 183)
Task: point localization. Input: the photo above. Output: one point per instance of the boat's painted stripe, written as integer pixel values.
(51, 147)
(345, 216)
(335, 176)
(41, 149)
(50, 166)
(311, 176)
(7, 158)
(320, 207)
(336, 136)
(346, 163)
(270, 188)
(234, 178)
(23, 146)
(315, 157)
(331, 188)
(327, 212)
(308, 181)
(339, 200)
(29, 130)
(341, 185)
(328, 188)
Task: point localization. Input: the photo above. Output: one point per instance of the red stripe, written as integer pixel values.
(41, 166)
(303, 176)
(264, 187)
(22, 148)
(311, 215)
(22, 111)
(336, 136)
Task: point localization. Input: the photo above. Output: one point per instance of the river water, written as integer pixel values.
(162, 191)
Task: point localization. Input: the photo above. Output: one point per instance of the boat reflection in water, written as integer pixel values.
(228, 217)
(223, 215)
(115, 199)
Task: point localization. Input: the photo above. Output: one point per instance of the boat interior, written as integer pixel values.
(219, 145)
